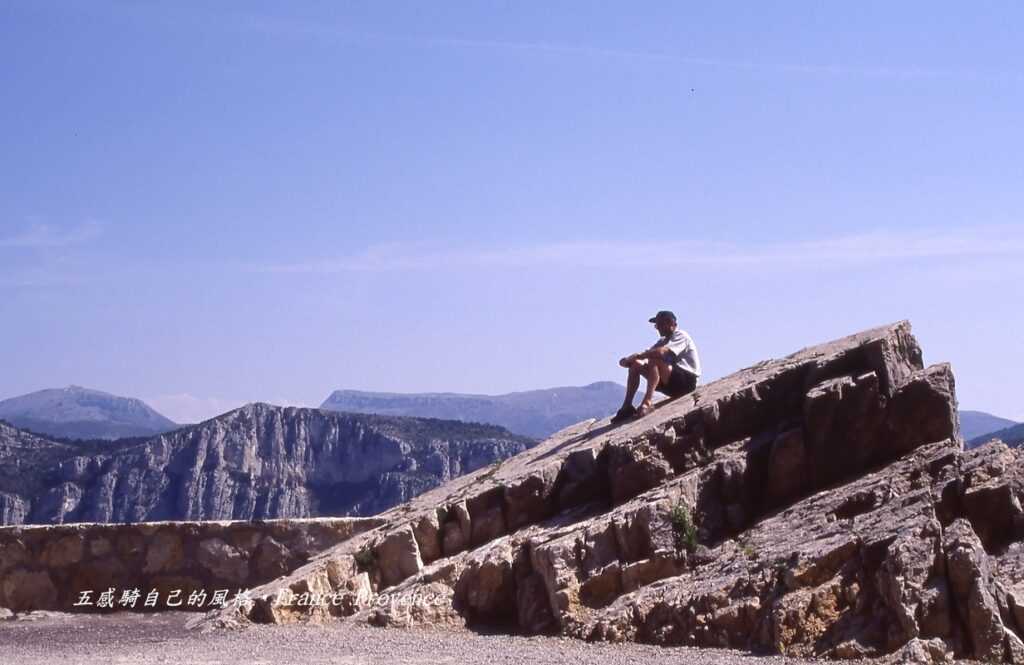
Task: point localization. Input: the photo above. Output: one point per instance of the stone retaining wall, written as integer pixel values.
(156, 565)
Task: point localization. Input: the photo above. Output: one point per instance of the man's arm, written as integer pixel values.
(657, 351)
(653, 352)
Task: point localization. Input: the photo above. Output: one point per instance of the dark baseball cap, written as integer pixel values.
(663, 314)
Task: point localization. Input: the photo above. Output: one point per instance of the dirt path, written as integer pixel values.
(123, 638)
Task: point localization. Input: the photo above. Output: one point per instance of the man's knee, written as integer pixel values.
(637, 366)
(662, 368)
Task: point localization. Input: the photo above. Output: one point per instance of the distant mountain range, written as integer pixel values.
(533, 413)
(256, 462)
(81, 413)
(974, 424)
(1011, 436)
(264, 461)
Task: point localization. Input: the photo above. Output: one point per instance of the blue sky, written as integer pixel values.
(203, 204)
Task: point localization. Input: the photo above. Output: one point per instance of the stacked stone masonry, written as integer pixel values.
(49, 567)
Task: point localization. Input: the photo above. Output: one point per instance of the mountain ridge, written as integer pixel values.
(535, 413)
(975, 424)
(257, 461)
(75, 412)
(1012, 436)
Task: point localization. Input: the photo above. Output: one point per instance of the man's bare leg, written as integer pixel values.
(657, 373)
(651, 374)
(636, 368)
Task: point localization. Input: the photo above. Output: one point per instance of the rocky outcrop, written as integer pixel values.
(535, 413)
(257, 462)
(815, 505)
(157, 565)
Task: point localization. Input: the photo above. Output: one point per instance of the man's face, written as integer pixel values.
(665, 326)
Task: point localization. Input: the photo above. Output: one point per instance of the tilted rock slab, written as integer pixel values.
(818, 504)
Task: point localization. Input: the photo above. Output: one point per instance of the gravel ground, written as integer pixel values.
(73, 639)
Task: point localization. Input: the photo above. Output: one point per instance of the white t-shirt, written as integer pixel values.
(680, 344)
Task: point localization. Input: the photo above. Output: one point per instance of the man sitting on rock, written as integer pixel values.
(671, 367)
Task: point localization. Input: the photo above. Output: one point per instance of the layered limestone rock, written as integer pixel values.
(257, 462)
(818, 504)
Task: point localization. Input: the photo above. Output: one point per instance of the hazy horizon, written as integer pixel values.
(208, 205)
(191, 411)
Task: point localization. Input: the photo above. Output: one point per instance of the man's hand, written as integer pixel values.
(656, 353)
(625, 362)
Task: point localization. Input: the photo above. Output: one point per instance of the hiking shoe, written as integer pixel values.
(623, 414)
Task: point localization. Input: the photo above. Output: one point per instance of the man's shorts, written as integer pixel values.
(680, 382)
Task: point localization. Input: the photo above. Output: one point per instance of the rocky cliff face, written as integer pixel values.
(535, 413)
(81, 413)
(26, 461)
(819, 504)
(257, 462)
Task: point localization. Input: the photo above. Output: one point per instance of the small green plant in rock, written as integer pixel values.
(683, 529)
(365, 559)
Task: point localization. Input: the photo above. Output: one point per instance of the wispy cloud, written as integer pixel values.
(185, 408)
(44, 236)
(288, 27)
(38, 277)
(820, 69)
(47, 255)
(843, 251)
(292, 27)
(1005, 269)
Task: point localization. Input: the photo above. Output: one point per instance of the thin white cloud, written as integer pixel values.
(991, 270)
(292, 28)
(844, 251)
(184, 408)
(908, 72)
(45, 236)
(287, 27)
(44, 255)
